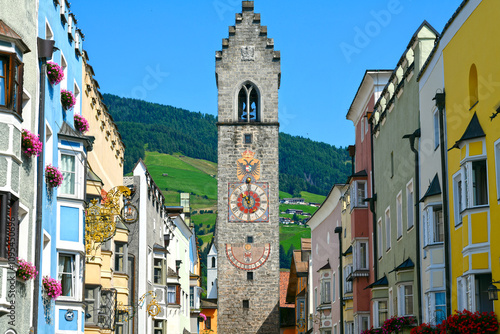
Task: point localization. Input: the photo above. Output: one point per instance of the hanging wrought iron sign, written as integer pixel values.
(100, 221)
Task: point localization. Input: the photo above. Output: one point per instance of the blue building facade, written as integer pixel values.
(63, 229)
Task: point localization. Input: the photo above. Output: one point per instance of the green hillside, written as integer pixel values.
(177, 173)
(305, 165)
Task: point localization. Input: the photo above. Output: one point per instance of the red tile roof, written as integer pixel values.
(284, 277)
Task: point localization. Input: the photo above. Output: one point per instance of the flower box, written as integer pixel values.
(26, 270)
(55, 73)
(68, 100)
(53, 176)
(81, 124)
(31, 144)
(52, 287)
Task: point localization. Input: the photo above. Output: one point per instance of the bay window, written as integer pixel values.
(433, 223)
(380, 312)
(11, 82)
(358, 194)
(92, 296)
(68, 169)
(158, 268)
(120, 256)
(66, 274)
(325, 291)
(470, 187)
(172, 294)
(405, 299)
(347, 279)
(361, 255)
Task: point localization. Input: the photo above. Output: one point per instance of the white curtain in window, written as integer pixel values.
(68, 171)
(66, 274)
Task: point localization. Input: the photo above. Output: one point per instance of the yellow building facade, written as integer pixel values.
(106, 267)
(347, 264)
(472, 77)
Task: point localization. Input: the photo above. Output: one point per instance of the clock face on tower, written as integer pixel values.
(248, 202)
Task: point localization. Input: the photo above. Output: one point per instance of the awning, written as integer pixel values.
(474, 130)
(381, 282)
(407, 264)
(434, 188)
(348, 251)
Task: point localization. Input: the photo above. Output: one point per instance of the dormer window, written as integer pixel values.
(248, 104)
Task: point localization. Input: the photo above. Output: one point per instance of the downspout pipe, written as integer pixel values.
(440, 99)
(338, 230)
(45, 49)
(372, 201)
(412, 138)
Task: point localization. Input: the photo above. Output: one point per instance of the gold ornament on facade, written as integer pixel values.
(100, 221)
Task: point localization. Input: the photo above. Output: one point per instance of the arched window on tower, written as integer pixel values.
(248, 104)
(213, 262)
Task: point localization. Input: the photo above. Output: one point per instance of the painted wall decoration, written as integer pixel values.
(248, 256)
(248, 166)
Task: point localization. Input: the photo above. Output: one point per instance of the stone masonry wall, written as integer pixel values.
(258, 63)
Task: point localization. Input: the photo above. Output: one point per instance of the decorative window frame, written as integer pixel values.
(428, 218)
(410, 209)
(388, 229)
(380, 239)
(75, 149)
(357, 254)
(14, 57)
(376, 311)
(402, 296)
(357, 201)
(399, 215)
(76, 281)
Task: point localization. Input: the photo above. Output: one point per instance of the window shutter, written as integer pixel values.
(20, 79)
(10, 81)
(178, 294)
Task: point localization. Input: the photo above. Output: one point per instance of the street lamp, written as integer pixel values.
(493, 291)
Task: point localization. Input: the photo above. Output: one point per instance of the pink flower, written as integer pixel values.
(53, 176)
(55, 73)
(26, 270)
(52, 287)
(68, 100)
(31, 144)
(81, 124)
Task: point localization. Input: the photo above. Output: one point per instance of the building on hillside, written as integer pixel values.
(297, 292)
(287, 310)
(106, 276)
(248, 78)
(293, 201)
(326, 282)
(396, 137)
(146, 253)
(473, 138)
(361, 196)
(19, 97)
(62, 246)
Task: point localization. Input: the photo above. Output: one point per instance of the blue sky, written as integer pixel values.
(163, 51)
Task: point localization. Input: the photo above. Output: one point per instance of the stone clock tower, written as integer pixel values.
(247, 237)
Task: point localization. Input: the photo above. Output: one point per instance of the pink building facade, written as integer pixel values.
(325, 307)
